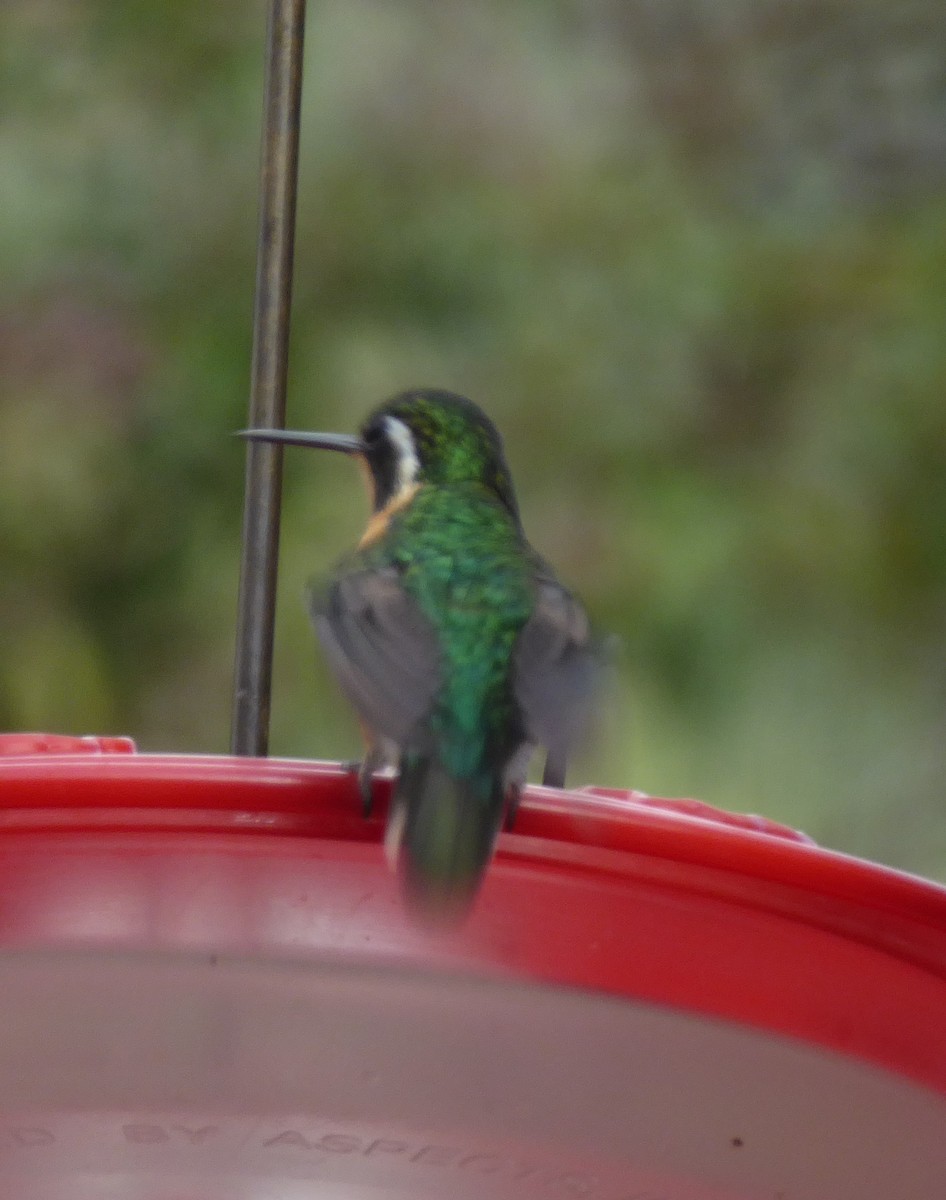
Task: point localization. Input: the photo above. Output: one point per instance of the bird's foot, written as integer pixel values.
(373, 764)
(364, 770)
(552, 776)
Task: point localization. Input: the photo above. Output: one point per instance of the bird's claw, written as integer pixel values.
(366, 792)
(552, 776)
(364, 770)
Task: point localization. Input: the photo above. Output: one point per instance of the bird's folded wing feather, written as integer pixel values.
(382, 649)
(557, 673)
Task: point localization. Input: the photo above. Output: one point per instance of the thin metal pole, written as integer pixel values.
(277, 219)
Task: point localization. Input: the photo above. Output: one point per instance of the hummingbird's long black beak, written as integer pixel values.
(345, 442)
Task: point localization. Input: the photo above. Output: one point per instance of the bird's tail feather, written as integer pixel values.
(449, 832)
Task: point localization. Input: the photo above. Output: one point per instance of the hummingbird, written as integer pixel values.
(458, 648)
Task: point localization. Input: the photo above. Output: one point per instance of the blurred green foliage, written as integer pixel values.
(690, 255)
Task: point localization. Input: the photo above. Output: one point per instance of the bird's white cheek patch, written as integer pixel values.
(408, 464)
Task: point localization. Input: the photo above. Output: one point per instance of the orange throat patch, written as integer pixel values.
(378, 524)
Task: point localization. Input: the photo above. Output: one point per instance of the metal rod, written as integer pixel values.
(277, 217)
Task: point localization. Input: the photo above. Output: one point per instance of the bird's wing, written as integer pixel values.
(557, 671)
(382, 649)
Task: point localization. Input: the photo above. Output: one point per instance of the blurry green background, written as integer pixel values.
(690, 254)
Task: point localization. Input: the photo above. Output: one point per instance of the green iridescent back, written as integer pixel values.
(464, 561)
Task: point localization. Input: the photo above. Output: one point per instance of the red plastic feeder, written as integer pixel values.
(211, 991)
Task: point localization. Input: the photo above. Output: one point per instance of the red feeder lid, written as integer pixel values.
(211, 991)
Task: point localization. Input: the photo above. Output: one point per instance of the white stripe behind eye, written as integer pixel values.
(408, 464)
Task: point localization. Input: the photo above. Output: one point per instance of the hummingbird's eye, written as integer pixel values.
(373, 435)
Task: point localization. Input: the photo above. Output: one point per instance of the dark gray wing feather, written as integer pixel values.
(557, 673)
(382, 650)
